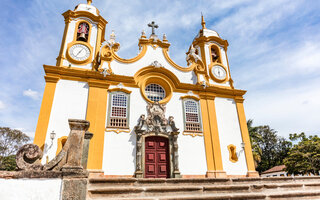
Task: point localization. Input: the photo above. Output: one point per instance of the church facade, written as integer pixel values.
(150, 117)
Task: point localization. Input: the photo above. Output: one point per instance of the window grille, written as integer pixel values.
(155, 92)
(192, 119)
(118, 116)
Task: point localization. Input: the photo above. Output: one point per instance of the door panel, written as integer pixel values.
(157, 157)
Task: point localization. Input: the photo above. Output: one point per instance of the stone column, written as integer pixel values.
(139, 173)
(176, 171)
(75, 144)
(87, 138)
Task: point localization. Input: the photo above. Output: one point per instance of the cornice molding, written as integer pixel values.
(78, 74)
(204, 39)
(98, 84)
(51, 79)
(76, 14)
(120, 90)
(190, 97)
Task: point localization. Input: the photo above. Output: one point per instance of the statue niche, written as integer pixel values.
(156, 124)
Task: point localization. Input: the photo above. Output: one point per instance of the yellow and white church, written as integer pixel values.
(150, 117)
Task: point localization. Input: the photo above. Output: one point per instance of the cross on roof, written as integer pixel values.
(153, 26)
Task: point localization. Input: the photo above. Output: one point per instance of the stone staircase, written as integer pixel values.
(273, 188)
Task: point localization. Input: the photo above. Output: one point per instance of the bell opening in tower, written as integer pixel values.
(83, 32)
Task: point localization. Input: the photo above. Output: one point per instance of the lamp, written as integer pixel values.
(242, 149)
(52, 135)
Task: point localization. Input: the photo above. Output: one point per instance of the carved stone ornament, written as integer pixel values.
(193, 59)
(28, 157)
(156, 124)
(156, 64)
(69, 159)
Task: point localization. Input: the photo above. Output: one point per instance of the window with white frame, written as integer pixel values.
(191, 115)
(118, 110)
(155, 92)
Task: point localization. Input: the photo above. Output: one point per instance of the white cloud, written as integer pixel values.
(2, 105)
(32, 94)
(287, 110)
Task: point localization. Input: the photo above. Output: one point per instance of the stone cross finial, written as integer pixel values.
(153, 25)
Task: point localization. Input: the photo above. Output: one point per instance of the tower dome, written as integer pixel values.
(87, 7)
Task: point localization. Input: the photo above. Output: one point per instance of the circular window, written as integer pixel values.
(155, 92)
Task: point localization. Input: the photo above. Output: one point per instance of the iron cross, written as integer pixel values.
(153, 26)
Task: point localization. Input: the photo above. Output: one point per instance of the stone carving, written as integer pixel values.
(173, 124)
(28, 157)
(69, 158)
(156, 64)
(155, 121)
(156, 124)
(192, 56)
(195, 61)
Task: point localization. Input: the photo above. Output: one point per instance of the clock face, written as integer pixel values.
(219, 72)
(79, 52)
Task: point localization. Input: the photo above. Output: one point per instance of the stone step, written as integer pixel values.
(145, 191)
(257, 196)
(236, 188)
(202, 181)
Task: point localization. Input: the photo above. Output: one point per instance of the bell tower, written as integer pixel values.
(213, 51)
(83, 35)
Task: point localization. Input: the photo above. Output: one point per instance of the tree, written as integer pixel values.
(268, 148)
(304, 157)
(10, 142)
(254, 139)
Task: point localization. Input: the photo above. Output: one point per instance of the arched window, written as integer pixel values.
(118, 110)
(155, 92)
(192, 115)
(83, 32)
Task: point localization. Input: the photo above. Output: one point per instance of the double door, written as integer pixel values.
(157, 161)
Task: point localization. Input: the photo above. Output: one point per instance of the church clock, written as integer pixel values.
(79, 52)
(218, 73)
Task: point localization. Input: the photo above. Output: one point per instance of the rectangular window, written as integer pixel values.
(118, 110)
(192, 115)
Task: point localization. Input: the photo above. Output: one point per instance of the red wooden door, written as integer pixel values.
(157, 157)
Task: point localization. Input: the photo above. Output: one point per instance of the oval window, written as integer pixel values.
(155, 92)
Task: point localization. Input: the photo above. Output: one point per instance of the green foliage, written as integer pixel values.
(254, 138)
(9, 163)
(304, 157)
(10, 141)
(268, 148)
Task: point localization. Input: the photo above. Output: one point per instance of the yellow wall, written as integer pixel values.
(96, 115)
(207, 137)
(211, 137)
(45, 110)
(246, 139)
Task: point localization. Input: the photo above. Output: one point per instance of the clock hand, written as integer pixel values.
(79, 52)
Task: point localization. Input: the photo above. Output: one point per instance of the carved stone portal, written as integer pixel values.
(155, 124)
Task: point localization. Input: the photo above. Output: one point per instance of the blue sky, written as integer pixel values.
(274, 51)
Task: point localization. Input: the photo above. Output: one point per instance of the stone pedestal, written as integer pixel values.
(216, 174)
(85, 152)
(75, 140)
(253, 174)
